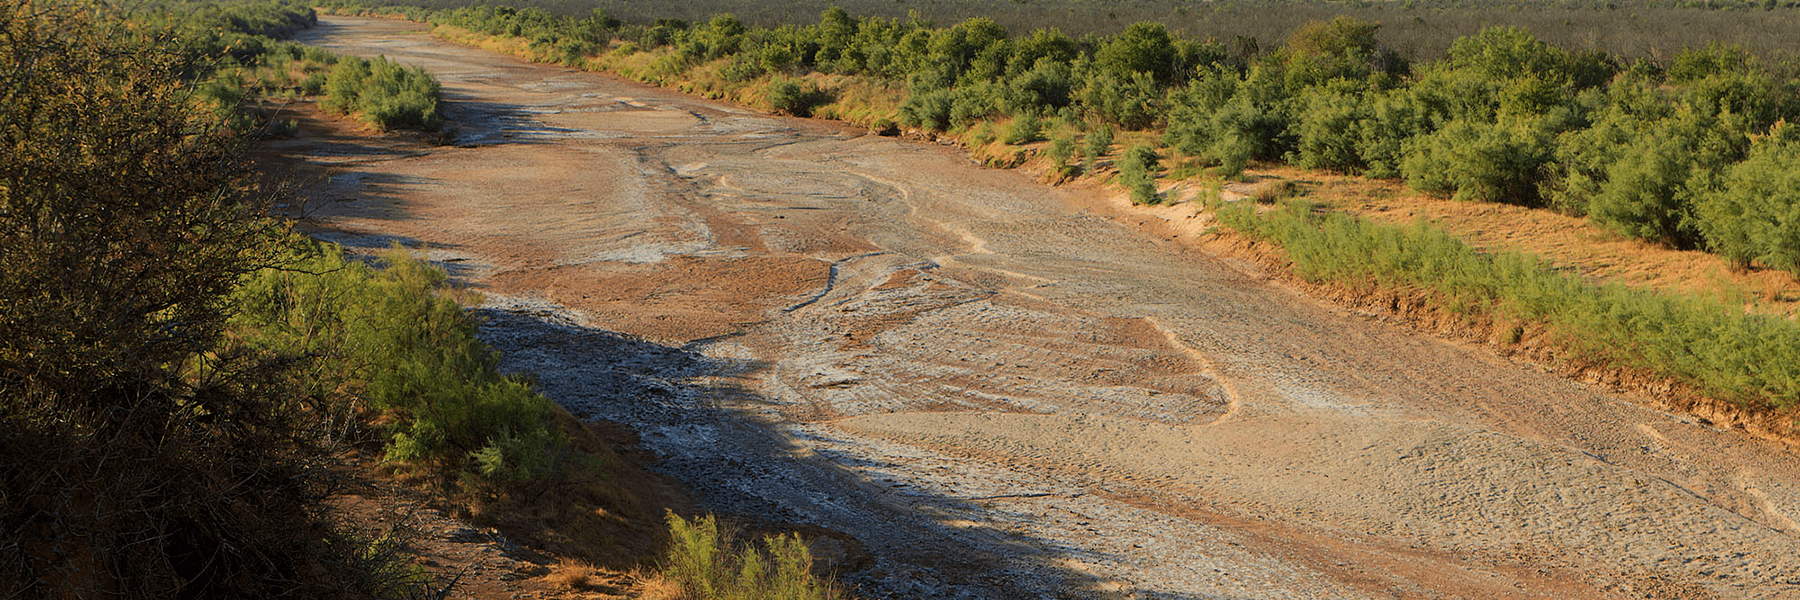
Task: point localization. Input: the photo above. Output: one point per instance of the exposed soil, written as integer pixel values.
(999, 389)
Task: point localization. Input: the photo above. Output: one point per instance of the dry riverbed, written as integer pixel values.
(991, 388)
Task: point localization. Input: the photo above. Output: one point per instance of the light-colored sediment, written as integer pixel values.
(1006, 390)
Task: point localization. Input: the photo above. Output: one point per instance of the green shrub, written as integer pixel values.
(708, 564)
(1062, 149)
(1479, 161)
(389, 337)
(929, 110)
(1096, 145)
(383, 93)
(1132, 100)
(1582, 156)
(1145, 47)
(1047, 86)
(1754, 214)
(976, 102)
(1328, 132)
(1026, 128)
(1137, 172)
(795, 98)
(1392, 119)
(1505, 53)
(1229, 121)
(1318, 52)
(1645, 194)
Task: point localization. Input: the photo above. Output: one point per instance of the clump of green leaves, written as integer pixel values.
(1754, 212)
(1026, 128)
(383, 93)
(1137, 172)
(798, 98)
(707, 563)
(390, 337)
(1062, 149)
(1095, 146)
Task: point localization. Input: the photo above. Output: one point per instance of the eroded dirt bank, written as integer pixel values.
(997, 392)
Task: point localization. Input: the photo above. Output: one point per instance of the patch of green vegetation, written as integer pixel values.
(706, 563)
(1137, 172)
(390, 340)
(796, 97)
(1503, 116)
(382, 93)
(1712, 346)
(135, 432)
(1095, 146)
(1025, 129)
(1062, 150)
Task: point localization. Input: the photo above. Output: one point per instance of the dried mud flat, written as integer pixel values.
(999, 389)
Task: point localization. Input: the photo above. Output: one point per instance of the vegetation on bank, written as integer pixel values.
(182, 377)
(1690, 152)
(705, 561)
(142, 454)
(238, 60)
(386, 340)
(179, 374)
(1645, 148)
(383, 94)
(1710, 345)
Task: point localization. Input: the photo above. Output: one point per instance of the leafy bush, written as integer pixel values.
(708, 564)
(973, 103)
(1137, 171)
(1145, 47)
(1645, 194)
(1132, 100)
(1318, 52)
(389, 337)
(1479, 161)
(1328, 131)
(1025, 128)
(1754, 214)
(1048, 85)
(1230, 120)
(1505, 53)
(796, 98)
(1582, 156)
(1062, 148)
(1391, 119)
(1096, 145)
(384, 94)
(929, 110)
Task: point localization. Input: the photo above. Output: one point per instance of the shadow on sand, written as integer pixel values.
(708, 435)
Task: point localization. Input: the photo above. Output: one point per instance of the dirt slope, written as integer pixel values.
(1005, 390)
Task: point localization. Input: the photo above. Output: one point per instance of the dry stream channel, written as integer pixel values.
(990, 389)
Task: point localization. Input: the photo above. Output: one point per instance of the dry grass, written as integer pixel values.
(1273, 191)
(572, 574)
(657, 587)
